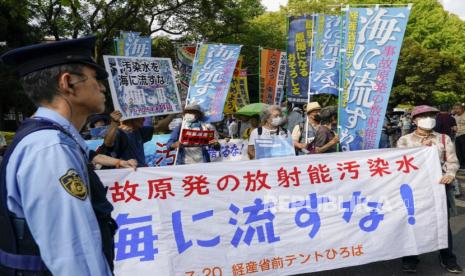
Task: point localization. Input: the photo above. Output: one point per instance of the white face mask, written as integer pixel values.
(189, 117)
(276, 121)
(427, 123)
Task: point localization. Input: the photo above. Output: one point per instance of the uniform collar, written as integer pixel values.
(47, 113)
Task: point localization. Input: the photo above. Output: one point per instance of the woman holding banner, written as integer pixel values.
(189, 137)
(423, 117)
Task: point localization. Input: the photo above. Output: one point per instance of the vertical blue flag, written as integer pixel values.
(298, 57)
(211, 76)
(372, 45)
(133, 45)
(325, 58)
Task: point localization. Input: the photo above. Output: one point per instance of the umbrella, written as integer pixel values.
(252, 109)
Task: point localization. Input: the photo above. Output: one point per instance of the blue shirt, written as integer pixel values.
(64, 226)
(130, 144)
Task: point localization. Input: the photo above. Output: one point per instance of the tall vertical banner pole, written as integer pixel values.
(310, 73)
(342, 51)
(259, 73)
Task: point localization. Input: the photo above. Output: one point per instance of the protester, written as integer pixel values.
(222, 128)
(192, 153)
(97, 127)
(424, 117)
(326, 138)
(99, 120)
(233, 127)
(254, 122)
(295, 117)
(162, 123)
(272, 119)
(459, 116)
(304, 134)
(405, 124)
(237, 126)
(126, 140)
(56, 219)
(394, 131)
(445, 122)
(386, 132)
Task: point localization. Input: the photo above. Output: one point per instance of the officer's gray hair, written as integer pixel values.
(42, 85)
(266, 114)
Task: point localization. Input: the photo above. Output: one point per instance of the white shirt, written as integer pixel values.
(267, 133)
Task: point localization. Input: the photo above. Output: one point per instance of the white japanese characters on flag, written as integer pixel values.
(278, 216)
(373, 39)
(280, 81)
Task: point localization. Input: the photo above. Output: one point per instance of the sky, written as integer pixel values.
(454, 6)
(273, 5)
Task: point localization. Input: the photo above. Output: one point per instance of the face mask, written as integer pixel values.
(317, 118)
(276, 121)
(189, 118)
(427, 123)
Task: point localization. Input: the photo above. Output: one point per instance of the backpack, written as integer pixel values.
(260, 130)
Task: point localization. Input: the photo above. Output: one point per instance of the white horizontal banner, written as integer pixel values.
(278, 216)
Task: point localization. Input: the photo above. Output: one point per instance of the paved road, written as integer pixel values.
(429, 263)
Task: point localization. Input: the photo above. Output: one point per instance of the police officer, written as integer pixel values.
(54, 215)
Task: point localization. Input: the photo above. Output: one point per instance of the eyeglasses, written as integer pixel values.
(83, 78)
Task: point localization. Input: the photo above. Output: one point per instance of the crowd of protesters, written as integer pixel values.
(69, 200)
(313, 129)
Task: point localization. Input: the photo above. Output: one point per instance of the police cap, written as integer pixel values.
(36, 57)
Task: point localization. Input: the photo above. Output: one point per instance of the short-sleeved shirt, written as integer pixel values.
(298, 136)
(130, 144)
(323, 136)
(62, 222)
(267, 133)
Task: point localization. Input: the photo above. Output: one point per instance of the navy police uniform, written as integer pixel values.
(54, 214)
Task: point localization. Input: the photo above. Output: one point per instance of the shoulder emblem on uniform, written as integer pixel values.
(73, 184)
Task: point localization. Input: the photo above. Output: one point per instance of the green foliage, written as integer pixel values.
(434, 28)
(426, 76)
(14, 31)
(431, 67)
